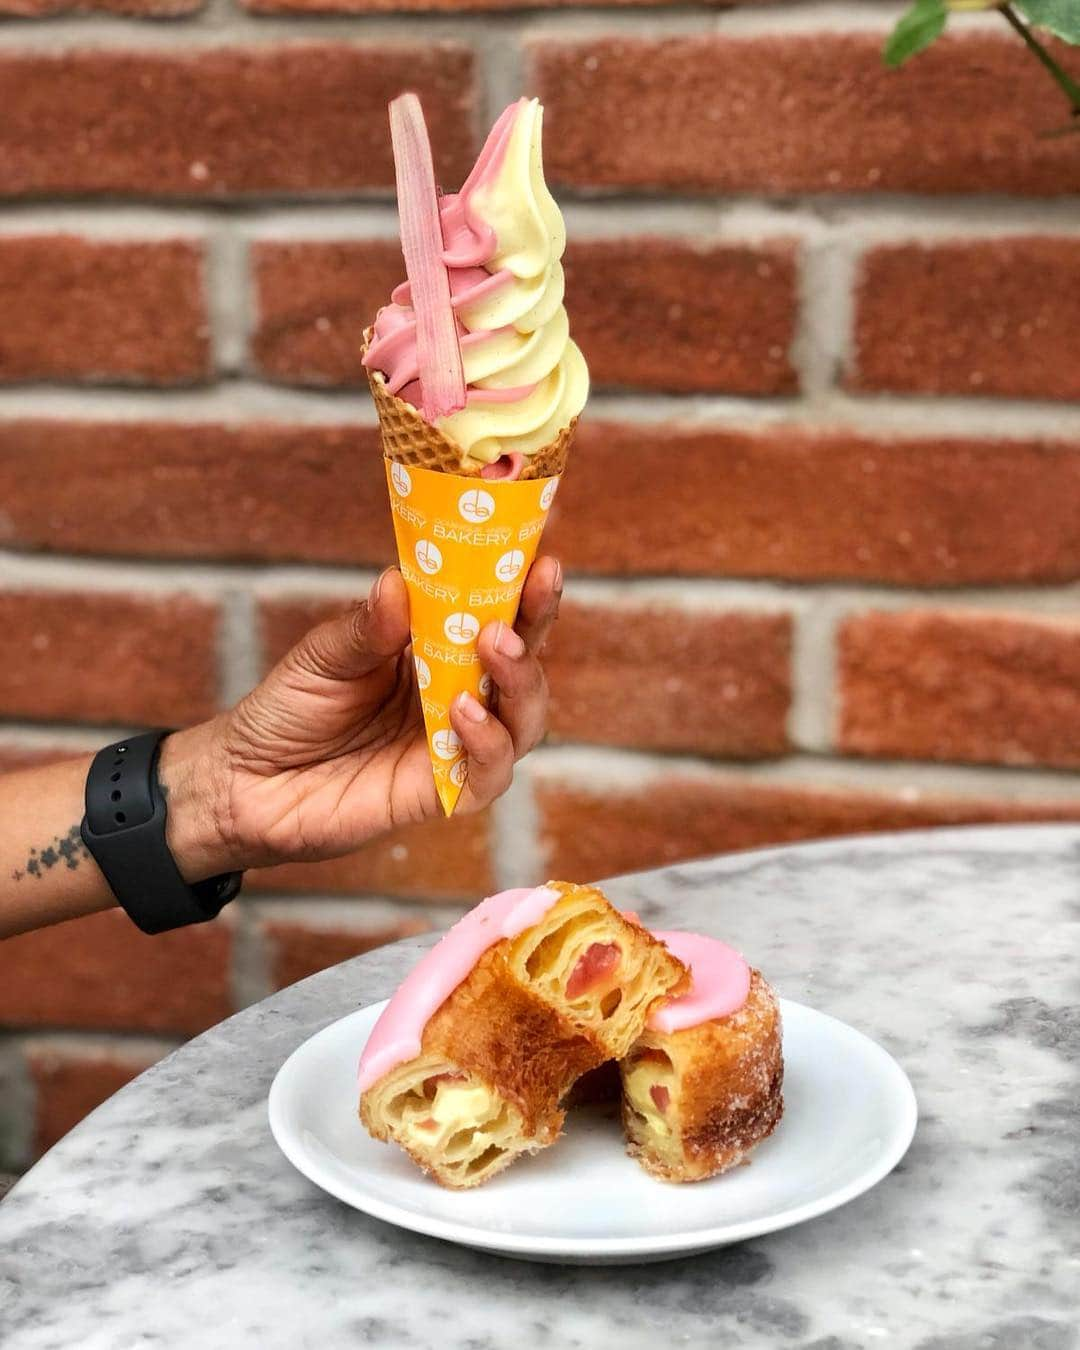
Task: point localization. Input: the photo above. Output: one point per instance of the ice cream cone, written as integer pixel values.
(477, 337)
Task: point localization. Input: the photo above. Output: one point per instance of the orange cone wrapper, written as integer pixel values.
(465, 546)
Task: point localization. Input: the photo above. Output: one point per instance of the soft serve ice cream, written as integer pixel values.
(524, 379)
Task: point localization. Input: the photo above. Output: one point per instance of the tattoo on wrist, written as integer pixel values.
(68, 850)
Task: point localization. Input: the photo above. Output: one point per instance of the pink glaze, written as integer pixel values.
(397, 1034)
(720, 983)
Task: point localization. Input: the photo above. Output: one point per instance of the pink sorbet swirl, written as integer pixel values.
(397, 1035)
(720, 983)
(469, 243)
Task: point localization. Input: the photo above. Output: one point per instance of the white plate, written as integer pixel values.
(849, 1117)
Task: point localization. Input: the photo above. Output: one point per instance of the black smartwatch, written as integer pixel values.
(124, 830)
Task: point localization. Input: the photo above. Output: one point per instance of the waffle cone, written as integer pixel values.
(408, 439)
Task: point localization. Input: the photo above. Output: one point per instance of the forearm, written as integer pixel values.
(46, 873)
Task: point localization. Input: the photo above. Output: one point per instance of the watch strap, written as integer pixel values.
(124, 831)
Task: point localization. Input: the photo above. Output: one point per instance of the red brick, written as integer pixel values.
(983, 688)
(289, 117)
(14, 756)
(81, 656)
(439, 860)
(789, 503)
(283, 622)
(175, 490)
(102, 972)
(995, 316)
(69, 1085)
(314, 301)
(664, 679)
(651, 313)
(807, 112)
(782, 502)
(686, 317)
(298, 950)
(81, 309)
(591, 834)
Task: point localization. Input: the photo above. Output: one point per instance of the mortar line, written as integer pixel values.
(214, 580)
(824, 316)
(87, 1041)
(18, 1095)
(226, 283)
(517, 858)
(240, 401)
(46, 735)
(878, 218)
(239, 657)
(607, 768)
(501, 74)
(812, 715)
(206, 29)
(359, 910)
(250, 970)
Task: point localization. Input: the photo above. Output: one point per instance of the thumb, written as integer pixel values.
(358, 642)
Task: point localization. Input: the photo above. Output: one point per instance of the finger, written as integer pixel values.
(522, 686)
(540, 602)
(489, 748)
(358, 642)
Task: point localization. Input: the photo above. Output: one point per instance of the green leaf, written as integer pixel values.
(1061, 17)
(923, 22)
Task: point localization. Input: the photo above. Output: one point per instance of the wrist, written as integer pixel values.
(192, 776)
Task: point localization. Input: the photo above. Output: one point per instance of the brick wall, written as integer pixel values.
(822, 526)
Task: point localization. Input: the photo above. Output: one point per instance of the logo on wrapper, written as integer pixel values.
(509, 565)
(476, 506)
(401, 479)
(428, 557)
(464, 547)
(446, 743)
(461, 628)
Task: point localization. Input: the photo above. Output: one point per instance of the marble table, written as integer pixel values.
(169, 1218)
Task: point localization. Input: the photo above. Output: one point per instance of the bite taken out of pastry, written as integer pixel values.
(469, 1062)
(704, 1083)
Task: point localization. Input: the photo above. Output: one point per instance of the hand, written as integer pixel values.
(330, 750)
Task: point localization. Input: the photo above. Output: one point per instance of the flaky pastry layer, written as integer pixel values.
(499, 1055)
(695, 1102)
